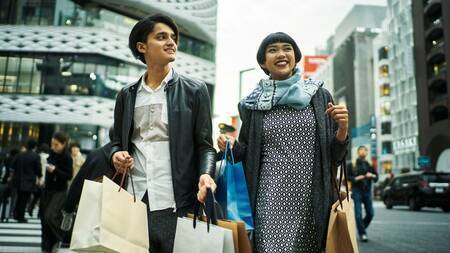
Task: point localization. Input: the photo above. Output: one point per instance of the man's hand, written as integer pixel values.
(122, 161)
(204, 183)
(340, 114)
(222, 141)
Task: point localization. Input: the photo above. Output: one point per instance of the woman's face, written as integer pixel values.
(57, 146)
(280, 60)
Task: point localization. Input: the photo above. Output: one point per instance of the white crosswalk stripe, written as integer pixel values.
(21, 237)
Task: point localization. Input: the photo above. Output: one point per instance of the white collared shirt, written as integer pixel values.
(152, 169)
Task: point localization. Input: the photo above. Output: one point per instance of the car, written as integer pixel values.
(419, 189)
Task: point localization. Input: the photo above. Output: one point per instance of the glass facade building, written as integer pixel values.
(62, 63)
(403, 84)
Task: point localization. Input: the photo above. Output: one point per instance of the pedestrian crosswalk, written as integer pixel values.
(21, 237)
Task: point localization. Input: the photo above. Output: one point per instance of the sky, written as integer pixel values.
(243, 24)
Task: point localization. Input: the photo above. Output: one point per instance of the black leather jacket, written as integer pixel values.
(190, 132)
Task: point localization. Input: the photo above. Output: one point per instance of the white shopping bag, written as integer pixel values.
(108, 220)
(199, 240)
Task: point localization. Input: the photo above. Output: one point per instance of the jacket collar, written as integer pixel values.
(175, 77)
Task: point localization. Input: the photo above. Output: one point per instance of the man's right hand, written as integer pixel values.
(222, 141)
(122, 161)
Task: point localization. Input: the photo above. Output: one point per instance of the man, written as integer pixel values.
(361, 175)
(27, 169)
(162, 132)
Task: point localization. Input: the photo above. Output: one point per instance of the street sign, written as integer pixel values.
(424, 161)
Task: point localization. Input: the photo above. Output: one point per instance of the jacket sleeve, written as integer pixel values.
(351, 173)
(64, 170)
(240, 146)
(203, 131)
(37, 167)
(338, 148)
(373, 171)
(118, 119)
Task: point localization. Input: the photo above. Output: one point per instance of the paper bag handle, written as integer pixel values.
(122, 181)
(208, 208)
(342, 176)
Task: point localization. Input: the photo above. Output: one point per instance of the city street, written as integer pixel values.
(399, 230)
(392, 231)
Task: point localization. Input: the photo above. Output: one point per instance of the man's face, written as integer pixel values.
(362, 153)
(161, 47)
(280, 60)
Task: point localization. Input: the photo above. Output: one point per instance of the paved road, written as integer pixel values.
(402, 231)
(392, 231)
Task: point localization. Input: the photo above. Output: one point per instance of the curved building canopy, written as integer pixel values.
(197, 18)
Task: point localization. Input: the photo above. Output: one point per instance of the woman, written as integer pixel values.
(57, 176)
(291, 135)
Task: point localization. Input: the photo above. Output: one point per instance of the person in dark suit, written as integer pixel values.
(27, 168)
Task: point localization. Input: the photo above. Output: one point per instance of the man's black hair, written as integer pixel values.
(278, 37)
(31, 144)
(144, 27)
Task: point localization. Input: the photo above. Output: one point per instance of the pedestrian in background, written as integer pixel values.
(27, 170)
(6, 185)
(77, 157)
(57, 175)
(291, 135)
(43, 152)
(362, 174)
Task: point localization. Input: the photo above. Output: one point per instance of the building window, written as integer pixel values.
(386, 109)
(384, 71)
(61, 74)
(383, 53)
(385, 90)
(386, 147)
(386, 128)
(386, 166)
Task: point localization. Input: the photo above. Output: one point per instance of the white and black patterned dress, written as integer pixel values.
(284, 217)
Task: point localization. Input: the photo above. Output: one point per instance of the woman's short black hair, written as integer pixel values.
(278, 37)
(74, 144)
(144, 27)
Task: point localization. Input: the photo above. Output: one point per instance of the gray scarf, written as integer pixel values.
(294, 92)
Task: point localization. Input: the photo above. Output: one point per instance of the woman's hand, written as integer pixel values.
(204, 183)
(51, 168)
(122, 161)
(222, 141)
(339, 114)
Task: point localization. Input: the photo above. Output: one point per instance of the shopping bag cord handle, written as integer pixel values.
(122, 180)
(342, 176)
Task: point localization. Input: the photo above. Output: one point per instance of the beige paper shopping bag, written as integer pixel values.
(109, 220)
(341, 236)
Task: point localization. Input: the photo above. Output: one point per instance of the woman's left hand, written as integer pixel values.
(340, 114)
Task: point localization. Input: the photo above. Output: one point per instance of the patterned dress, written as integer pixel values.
(284, 215)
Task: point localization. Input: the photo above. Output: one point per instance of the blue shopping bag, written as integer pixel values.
(232, 193)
